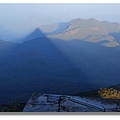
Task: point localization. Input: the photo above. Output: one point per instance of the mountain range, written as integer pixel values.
(67, 58)
(91, 30)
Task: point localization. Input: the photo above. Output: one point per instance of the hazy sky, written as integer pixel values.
(23, 17)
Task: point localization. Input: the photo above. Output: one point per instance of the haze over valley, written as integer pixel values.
(63, 57)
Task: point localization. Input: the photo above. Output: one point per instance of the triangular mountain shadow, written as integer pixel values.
(35, 34)
(39, 66)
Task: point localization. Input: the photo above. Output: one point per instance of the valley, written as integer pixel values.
(75, 57)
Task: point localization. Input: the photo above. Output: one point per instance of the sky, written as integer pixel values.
(22, 18)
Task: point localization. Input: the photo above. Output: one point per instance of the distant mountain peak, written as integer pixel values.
(84, 21)
(93, 19)
(92, 30)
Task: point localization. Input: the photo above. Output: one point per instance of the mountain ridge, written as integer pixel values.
(84, 29)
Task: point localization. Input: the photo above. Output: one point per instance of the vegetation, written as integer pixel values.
(109, 93)
(91, 94)
(12, 107)
(112, 92)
